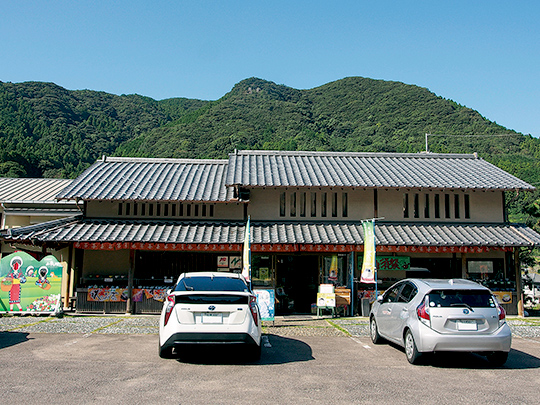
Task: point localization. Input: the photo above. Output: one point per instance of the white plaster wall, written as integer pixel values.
(485, 206)
(109, 209)
(264, 204)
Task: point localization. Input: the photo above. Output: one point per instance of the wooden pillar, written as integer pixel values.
(131, 272)
(519, 287)
(67, 295)
(464, 265)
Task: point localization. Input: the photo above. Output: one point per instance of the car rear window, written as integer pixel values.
(460, 298)
(211, 284)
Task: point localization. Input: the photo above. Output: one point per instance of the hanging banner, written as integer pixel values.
(30, 285)
(368, 265)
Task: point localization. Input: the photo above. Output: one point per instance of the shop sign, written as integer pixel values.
(29, 285)
(119, 294)
(503, 297)
(393, 263)
(326, 299)
(266, 299)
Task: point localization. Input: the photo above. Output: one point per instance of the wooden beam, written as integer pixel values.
(519, 287)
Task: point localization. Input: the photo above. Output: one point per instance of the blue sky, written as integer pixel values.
(483, 54)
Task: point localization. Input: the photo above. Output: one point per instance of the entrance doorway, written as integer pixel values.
(297, 283)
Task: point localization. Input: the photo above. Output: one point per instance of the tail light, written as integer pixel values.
(253, 309)
(423, 313)
(169, 308)
(502, 315)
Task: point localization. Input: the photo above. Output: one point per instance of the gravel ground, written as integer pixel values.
(289, 326)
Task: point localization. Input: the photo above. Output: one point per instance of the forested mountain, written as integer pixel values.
(48, 131)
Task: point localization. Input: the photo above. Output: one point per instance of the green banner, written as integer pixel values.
(393, 263)
(30, 285)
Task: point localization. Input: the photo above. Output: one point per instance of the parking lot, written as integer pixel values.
(113, 359)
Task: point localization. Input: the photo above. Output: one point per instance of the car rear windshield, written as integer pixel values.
(211, 284)
(460, 298)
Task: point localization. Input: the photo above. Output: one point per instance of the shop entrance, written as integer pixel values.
(297, 282)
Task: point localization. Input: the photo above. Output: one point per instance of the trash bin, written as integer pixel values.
(365, 306)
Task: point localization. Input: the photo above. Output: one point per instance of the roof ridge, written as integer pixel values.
(118, 159)
(358, 154)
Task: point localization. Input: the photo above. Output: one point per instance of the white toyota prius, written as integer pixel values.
(212, 308)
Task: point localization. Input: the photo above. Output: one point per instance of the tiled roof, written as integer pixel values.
(30, 190)
(371, 170)
(151, 179)
(388, 234)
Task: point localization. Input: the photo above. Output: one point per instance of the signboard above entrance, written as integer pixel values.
(393, 263)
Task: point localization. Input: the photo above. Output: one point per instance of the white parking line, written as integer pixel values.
(360, 343)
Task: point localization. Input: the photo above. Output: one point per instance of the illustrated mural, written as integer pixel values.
(30, 285)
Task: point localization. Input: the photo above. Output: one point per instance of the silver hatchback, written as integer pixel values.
(430, 315)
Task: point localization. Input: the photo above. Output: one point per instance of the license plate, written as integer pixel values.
(467, 325)
(212, 317)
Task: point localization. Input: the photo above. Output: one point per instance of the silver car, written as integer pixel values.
(429, 315)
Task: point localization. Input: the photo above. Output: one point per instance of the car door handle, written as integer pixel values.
(404, 309)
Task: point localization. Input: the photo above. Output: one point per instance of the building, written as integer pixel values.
(144, 221)
(26, 202)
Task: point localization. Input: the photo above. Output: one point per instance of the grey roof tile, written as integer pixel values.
(151, 180)
(387, 234)
(30, 190)
(371, 170)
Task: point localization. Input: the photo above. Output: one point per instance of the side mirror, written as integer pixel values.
(379, 298)
(169, 291)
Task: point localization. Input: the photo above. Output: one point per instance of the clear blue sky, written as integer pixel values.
(483, 54)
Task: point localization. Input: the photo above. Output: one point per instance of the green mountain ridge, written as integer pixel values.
(48, 131)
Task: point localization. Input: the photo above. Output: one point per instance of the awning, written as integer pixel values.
(112, 234)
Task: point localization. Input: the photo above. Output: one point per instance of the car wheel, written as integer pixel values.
(497, 358)
(374, 332)
(165, 352)
(411, 351)
(254, 352)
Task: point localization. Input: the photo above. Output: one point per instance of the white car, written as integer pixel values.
(430, 315)
(213, 308)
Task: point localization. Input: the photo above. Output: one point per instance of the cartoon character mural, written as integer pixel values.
(18, 268)
(12, 283)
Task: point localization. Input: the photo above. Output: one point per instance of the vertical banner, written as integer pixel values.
(30, 285)
(246, 258)
(368, 265)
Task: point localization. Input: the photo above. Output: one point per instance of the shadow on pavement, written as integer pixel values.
(283, 350)
(8, 339)
(517, 360)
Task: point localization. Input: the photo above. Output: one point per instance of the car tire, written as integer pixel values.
(374, 332)
(411, 351)
(254, 352)
(497, 358)
(165, 352)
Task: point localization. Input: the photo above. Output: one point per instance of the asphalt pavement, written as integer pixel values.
(295, 325)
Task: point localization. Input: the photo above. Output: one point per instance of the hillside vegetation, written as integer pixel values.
(48, 131)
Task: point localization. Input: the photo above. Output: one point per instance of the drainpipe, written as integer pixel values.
(3, 216)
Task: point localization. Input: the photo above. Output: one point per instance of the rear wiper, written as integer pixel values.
(462, 304)
(187, 287)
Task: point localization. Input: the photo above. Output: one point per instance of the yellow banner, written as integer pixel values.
(368, 265)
